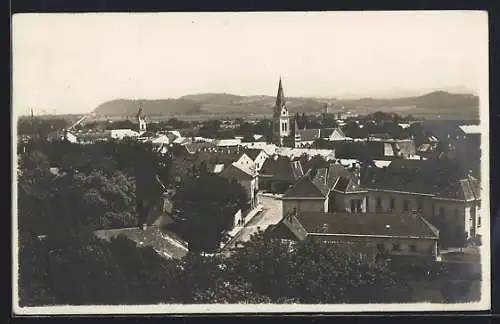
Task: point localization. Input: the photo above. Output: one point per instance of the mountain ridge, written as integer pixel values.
(225, 103)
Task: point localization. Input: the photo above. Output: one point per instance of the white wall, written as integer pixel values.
(424, 246)
(314, 205)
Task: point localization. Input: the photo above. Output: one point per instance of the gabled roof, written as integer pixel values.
(252, 153)
(281, 168)
(337, 131)
(463, 189)
(326, 132)
(305, 188)
(471, 129)
(288, 228)
(370, 224)
(233, 172)
(152, 236)
(434, 177)
(307, 135)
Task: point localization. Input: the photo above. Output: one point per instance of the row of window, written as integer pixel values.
(392, 204)
(396, 248)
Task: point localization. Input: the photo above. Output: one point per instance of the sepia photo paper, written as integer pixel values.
(250, 162)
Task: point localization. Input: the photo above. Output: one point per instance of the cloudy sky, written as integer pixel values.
(70, 63)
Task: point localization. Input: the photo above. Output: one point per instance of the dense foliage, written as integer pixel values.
(208, 213)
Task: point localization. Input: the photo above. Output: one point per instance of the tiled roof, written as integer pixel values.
(252, 153)
(326, 132)
(433, 177)
(308, 134)
(366, 224)
(463, 189)
(233, 172)
(281, 168)
(304, 188)
(151, 236)
(471, 129)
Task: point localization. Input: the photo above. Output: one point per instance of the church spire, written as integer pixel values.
(280, 98)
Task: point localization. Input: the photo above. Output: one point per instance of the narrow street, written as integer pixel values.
(271, 214)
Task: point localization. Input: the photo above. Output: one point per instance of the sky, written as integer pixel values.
(71, 63)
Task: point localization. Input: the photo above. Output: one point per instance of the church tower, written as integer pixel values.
(141, 120)
(281, 118)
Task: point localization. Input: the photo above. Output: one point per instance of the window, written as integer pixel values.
(396, 248)
(392, 204)
(355, 205)
(379, 203)
(413, 248)
(479, 221)
(420, 204)
(406, 205)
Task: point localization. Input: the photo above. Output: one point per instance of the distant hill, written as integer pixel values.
(159, 107)
(434, 103)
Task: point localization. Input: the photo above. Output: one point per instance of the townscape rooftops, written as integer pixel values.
(370, 224)
(432, 177)
(281, 168)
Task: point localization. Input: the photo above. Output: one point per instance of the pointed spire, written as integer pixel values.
(280, 97)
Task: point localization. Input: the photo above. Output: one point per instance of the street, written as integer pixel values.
(271, 214)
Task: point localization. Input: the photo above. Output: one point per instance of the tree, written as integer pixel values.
(209, 213)
(313, 272)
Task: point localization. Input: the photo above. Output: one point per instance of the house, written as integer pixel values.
(439, 189)
(331, 189)
(91, 137)
(228, 142)
(154, 237)
(378, 234)
(278, 173)
(257, 156)
(337, 135)
(123, 133)
(246, 177)
(347, 193)
(245, 161)
(293, 153)
(269, 149)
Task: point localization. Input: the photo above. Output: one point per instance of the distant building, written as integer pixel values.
(141, 121)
